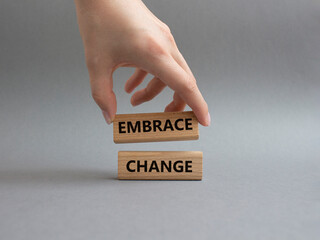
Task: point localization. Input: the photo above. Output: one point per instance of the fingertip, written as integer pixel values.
(133, 102)
(107, 117)
(138, 97)
(177, 105)
(108, 105)
(135, 80)
(206, 122)
(128, 89)
(169, 107)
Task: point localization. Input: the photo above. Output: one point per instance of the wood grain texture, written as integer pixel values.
(160, 165)
(155, 127)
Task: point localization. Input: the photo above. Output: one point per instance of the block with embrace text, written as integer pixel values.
(155, 127)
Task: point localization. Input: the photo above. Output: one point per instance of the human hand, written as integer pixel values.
(125, 33)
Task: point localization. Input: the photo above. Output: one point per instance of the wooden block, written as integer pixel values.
(160, 165)
(155, 127)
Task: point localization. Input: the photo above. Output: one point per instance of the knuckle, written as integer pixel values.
(97, 97)
(170, 38)
(92, 61)
(190, 86)
(148, 44)
(96, 59)
(153, 46)
(167, 33)
(166, 28)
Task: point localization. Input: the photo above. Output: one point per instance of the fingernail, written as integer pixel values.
(209, 119)
(107, 117)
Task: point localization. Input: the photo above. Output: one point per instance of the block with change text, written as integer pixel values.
(160, 165)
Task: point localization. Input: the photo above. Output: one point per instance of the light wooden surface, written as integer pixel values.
(171, 126)
(160, 165)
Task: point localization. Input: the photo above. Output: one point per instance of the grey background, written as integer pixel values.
(258, 66)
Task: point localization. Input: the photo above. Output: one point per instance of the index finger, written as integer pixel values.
(171, 73)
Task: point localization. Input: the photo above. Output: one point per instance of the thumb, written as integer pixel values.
(101, 82)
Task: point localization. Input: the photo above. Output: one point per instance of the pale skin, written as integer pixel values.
(125, 33)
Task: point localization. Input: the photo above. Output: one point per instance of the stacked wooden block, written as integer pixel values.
(157, 165)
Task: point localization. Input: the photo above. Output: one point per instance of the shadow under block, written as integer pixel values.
(160, 165)
(155, 127)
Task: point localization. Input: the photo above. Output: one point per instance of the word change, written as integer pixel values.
(160, 165)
